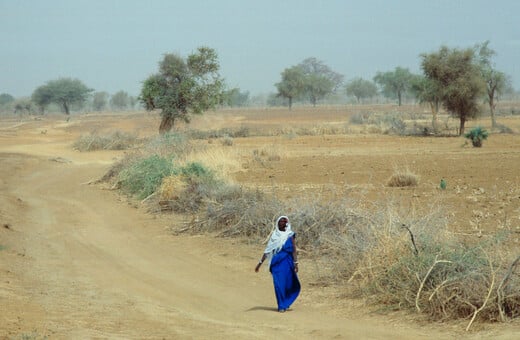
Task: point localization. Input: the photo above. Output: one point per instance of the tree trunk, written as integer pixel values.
(492, 109)
(66, 108)
(435, 110)
(462, 123)
(166, 124)
(399, 97)
(290, 103)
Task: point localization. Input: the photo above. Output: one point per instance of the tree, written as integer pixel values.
(292, 84)
(457, 75)
(496, 82)
(23, 105)
(427, 91)
(394, 83)
(99, 101)
(6, 98)
(361, 89)
(320, 80)
(120, 100)
(234, 97)
(183, 87)
(63, 91)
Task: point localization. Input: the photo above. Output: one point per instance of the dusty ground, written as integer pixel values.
(77, 261)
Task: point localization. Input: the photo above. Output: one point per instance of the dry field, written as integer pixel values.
(78, 261)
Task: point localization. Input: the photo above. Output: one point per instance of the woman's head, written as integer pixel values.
(282, 223)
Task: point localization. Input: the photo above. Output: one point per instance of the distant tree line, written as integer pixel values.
(458, 80)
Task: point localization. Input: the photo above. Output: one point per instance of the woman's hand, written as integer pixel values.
(257, 268)
(296, 267)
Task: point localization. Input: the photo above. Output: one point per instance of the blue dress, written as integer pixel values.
(285, 280)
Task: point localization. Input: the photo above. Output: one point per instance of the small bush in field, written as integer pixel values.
(403, 178)
(144, 176)
(227, 141)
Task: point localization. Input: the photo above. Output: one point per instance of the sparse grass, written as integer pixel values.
(117, 140)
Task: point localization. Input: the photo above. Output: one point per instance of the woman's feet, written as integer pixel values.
(281, 310)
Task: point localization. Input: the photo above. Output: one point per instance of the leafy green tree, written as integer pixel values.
(292, 84)
(361, 89)
(64, 92)
(183, 87)
(120, 100)
(234, 97)
(427, 91)
(457, 75)
(6, 98)
(320, 80)
(99, 101)
(496, 82)
(394, 83)
(23, 105)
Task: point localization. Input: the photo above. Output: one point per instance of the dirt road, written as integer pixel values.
(79, 263)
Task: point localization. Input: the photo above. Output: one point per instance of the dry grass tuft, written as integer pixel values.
(403, 178)
(171, 188)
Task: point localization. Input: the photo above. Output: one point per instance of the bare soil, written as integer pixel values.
(78, 261)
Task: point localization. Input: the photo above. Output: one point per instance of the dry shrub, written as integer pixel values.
(403, 178)
(171, 188)
(117, 140)
(272, 153)
(224, 161)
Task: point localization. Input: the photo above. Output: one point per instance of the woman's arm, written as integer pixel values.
(295, 254)
(260, 262)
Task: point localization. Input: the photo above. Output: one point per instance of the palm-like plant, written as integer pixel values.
(477, 135)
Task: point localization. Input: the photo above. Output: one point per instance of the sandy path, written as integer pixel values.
(78, 264)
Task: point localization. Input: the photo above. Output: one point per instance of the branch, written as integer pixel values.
(502, 285)
(412, 238)
(424, 281)
(488, 295)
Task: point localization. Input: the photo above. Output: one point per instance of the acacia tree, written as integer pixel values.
(361, 89)
(292, 84)
(63, 91)
(319, 79)
(496, 82)
(394, 83)
(183, 87)
(457, 76)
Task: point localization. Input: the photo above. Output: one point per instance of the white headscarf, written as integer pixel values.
(278, 238)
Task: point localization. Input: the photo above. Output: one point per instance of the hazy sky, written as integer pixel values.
(114, 45)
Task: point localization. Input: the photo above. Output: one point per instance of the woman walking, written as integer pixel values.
(283, 264)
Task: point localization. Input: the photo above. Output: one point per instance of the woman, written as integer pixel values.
(283, 264)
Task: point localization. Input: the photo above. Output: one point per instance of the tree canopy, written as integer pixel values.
(361, 89)
(6, 98)
(183, 87)
(394, 83)
(320, 80)
(99, 101)
(63, 91)
(120, 100)
(292, 84)
(456, 75)
(311, 79)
